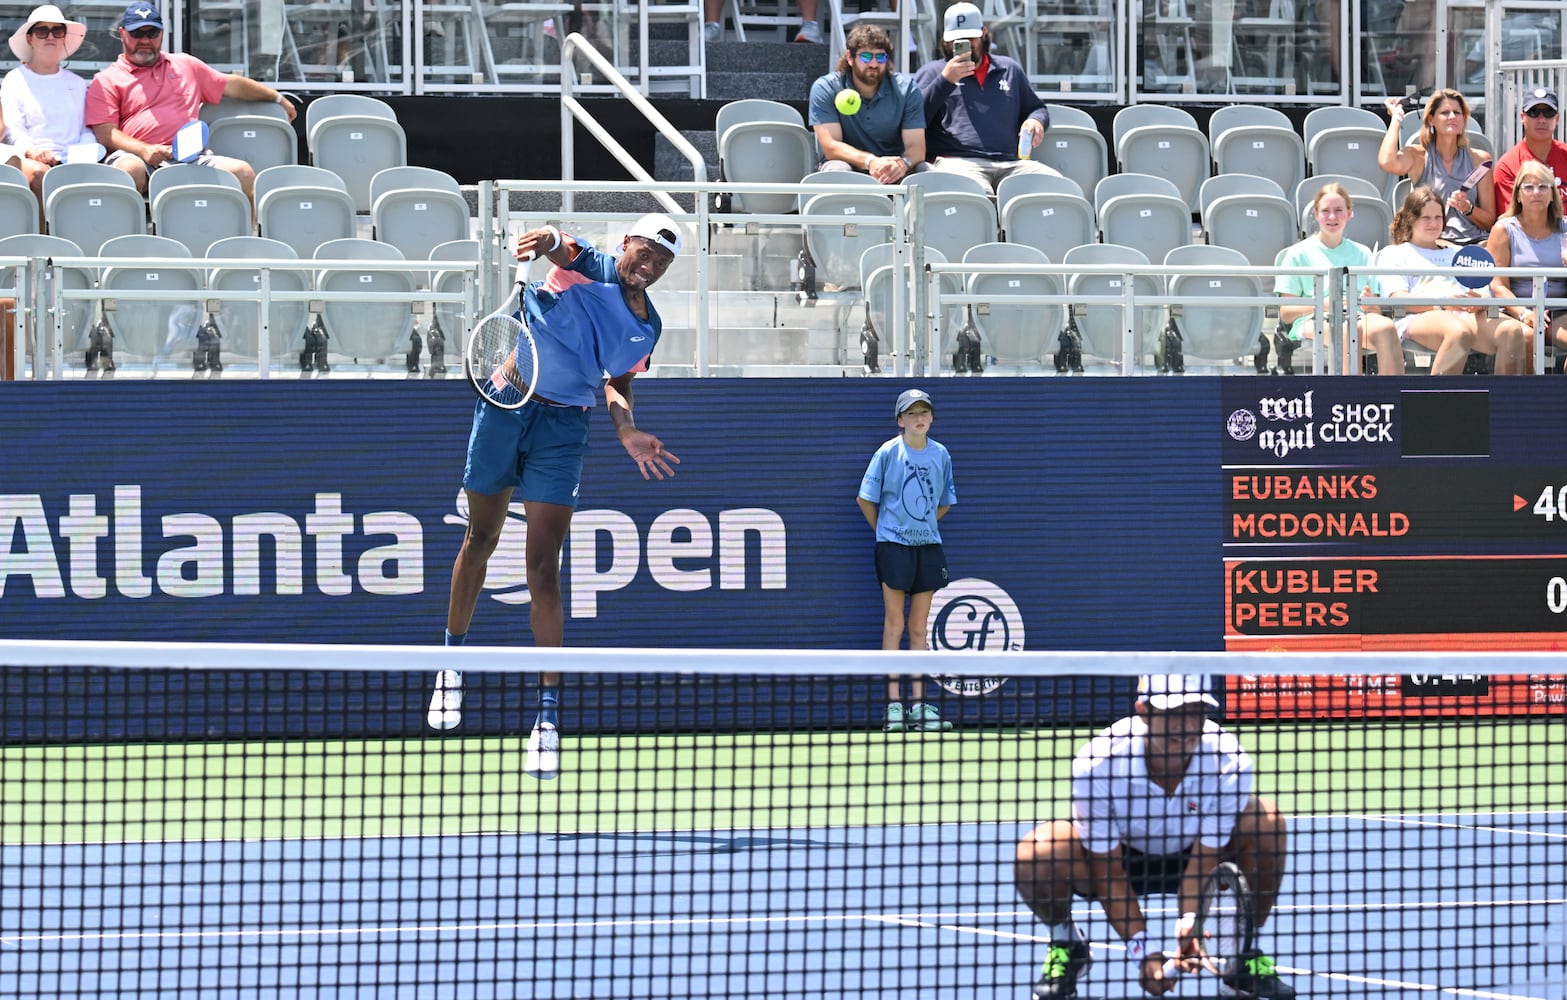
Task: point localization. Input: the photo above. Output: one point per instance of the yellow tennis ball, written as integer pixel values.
(848, 101)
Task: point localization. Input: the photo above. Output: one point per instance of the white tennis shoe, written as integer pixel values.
(446, 701)
(543, 753)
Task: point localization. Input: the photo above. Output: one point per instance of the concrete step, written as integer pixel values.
(781, 71)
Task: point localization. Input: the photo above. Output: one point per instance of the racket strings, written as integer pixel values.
(501, 360)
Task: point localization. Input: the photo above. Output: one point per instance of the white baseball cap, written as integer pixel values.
(660, 229)
(1166, 691)
(963, 21)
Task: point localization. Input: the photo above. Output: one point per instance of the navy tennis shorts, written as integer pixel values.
(912, 569)
(538, 450)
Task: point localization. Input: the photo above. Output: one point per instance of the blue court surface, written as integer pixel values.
(1374, 906)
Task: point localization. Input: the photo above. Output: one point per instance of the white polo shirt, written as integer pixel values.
(1114, 802)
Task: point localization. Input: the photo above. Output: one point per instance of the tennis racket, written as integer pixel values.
(501, 358)
(1226, 924)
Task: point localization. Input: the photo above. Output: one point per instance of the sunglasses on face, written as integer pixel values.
(148, 32)
(47, 31)
(1540, 113)
(873, 58)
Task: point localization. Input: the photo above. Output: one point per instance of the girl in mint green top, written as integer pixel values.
(1327, 247)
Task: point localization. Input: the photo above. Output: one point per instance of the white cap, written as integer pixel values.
(660, 229)
(1166, 691)
(75, 31)
(963, 21)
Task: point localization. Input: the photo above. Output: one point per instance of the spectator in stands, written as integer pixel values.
(595, 327)
(137, 104)
(713, 22)
(1452, 331)
(42, 103)
(906, 490)
(1439, 157)
(1327, 248)
(976, 101)
(1540, 112)
(1532, 232)
(1159, 800)
(886, 136)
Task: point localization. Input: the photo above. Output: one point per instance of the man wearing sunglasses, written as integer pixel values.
(1541, 112)
(977, 101)
(886, 136)
(136, 104)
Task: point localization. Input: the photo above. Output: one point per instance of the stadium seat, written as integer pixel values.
(416, 209)
(364, 331)
(77, 315)
(1221, 333)
(832, 251)
(957, 213)
(161, 332)
(18, 204)
(1252, 139)
(1046, 213)
(240, 322)
(355, 139)
(92, 203)
(1250, 214)
(1159, 138)
(877, 281)
(1074, 147)
(765, 152)
(1014, 335)
(1142, 211)
(303, 206)
(257, 132)
(198, 205)
(1372, 220)
(1097, 303)
(450, 316)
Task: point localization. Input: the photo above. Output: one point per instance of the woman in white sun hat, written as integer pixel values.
(41, 103)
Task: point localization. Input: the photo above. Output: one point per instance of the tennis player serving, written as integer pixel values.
(592, 323)
(1159, 800)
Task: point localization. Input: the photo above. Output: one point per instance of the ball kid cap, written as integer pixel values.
(660, 229)
(963, 21)
(1166, 691)
(908, 398)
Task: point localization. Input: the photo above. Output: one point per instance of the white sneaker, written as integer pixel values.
(810, 31)
(446, 701)
(712, 31)
(543, 753)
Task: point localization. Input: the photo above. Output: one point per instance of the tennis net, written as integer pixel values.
(234, 821)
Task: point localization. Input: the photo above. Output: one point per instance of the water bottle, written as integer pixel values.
(1025, 143)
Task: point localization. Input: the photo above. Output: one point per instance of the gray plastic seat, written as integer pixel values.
(416, 209)
(198, 205)
(337, 105)
(836, 248)
(356, 147)
(303, 206)
(160, 331)
(77, 318)
(1222, 332)
(1099, 314)
(364, 331)
(1245, 116)
(239, 321)
(765, 152)
(1052, 223)
(876, 280)
(261, 140)
(1163, 138)
(92, 203)
(1014, 185)
(1249, 214)
(1144, 212)
(18, 204)
(1271, 151)
(450, 316)
(958, 214)
(1014, 334)
(1074, 147)
(755, 109)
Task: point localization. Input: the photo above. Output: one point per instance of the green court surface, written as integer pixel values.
(264, 790)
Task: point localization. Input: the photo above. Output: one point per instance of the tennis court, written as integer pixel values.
(816, 864)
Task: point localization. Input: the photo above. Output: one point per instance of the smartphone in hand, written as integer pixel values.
(963, 48)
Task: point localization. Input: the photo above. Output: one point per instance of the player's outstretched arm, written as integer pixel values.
(652, 458)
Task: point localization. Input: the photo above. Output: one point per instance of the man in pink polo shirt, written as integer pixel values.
(137, 103)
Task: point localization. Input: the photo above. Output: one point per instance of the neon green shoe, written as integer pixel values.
(927, 718)
(895, 722)
(1064, 963)
(1255, 978)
